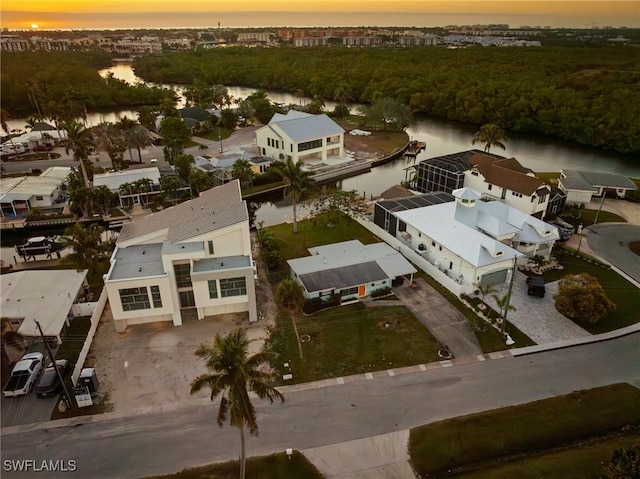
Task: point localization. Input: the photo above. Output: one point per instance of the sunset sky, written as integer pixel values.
(96, 14)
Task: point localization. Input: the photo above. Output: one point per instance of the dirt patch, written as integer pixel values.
(378, 145)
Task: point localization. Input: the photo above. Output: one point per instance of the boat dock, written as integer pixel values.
(414, 148)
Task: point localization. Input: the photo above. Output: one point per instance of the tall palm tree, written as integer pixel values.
(297, 182)
(504, 303)
(86, 244)
(78, 139)
(126, 125)
(235, 374)
(109, 138)
(290, 296)
(491, 135)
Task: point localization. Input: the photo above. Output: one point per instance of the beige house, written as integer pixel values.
(189, 261)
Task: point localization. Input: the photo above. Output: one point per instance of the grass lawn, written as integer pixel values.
(275, 466)
(585, 217)
(352, 339)
(213, 134)
(619, 290)
(581, 462)
(315, 232)
(536, 426)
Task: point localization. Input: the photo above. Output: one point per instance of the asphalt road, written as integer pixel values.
(157, 443)
(611, 243)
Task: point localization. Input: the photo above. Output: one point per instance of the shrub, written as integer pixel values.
(581, 297)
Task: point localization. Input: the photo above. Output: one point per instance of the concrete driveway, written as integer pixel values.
(440, 317)
(26, 409)
(537, 317)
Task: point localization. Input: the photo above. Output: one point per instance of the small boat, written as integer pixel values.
(39, 245)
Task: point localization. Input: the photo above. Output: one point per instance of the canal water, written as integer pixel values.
(541, 154)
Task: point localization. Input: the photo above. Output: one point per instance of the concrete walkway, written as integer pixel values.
(378, 457)
(440, 317)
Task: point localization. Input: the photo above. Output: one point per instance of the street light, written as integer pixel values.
(220, 139)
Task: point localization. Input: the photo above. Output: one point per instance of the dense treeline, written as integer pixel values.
(33, 80)
(587, 95)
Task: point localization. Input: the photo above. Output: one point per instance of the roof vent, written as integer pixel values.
(144, 251)
(140, 270)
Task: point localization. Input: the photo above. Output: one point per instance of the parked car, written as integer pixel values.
(535, 286)
(49, 383)
(43, 147)
(24, 375)
(564, 233)
(568, 226)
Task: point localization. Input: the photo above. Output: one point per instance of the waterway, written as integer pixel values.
(539, 153)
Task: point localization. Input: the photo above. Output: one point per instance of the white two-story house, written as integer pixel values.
(492, 176)
(300, 136)
(190, 261)
(471, 241)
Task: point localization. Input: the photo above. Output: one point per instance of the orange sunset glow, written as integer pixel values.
(18, 14)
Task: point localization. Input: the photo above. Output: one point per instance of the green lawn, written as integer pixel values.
(584, 461)
(315, 232)
(352, 339)
(213, 134)
(536, 426)
(619, 290)
(581, 216)
(275, 466)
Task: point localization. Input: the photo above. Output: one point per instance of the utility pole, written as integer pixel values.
(65, 393)
(506, 307)
(220, 139)
(604, 191)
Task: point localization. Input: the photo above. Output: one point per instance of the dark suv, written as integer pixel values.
(535, 286)
(49, 384)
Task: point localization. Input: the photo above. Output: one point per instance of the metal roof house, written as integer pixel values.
(21, 194)
(301, 136)
(349, 269)
(189, 261)
(470, 240)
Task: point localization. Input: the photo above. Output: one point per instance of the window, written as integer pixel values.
(183, 275)
(450, 264)
(213, 289)
(133, 299)
(210, 247)
(349, 291)
(233, 287)
(489, 186)
(268, 141)
(541, 200)
(155, 297)
(39, 198)
(309, 145)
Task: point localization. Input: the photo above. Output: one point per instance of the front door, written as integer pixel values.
(187, 300)
(362, 290)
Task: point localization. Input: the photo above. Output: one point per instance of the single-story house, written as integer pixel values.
(188, 261)
(349, 269)
(19, 195)
(581, 186)
(46, 296)
(114, 180)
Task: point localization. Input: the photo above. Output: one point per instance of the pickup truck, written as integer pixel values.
(24, 375)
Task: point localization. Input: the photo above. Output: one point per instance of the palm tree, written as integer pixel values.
(485, 289)
(234, 375)
(104, 197)
(170, 185)
(86, 244)
(297, 182)
(109, 138)
(242, 171)
(11, 339)
(290, 296)
(199, 181)
(126, 125)
(491, 135)
(78, 140)
(503, 303)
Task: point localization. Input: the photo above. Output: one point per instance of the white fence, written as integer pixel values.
(416, 259)
(95, 320)
(83, 309)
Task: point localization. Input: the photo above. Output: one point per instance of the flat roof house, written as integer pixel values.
(21, 194)
(188, 261)
(301, 136)
(349, 269)
(46, 296)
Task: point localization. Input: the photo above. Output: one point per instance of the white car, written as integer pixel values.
(24, 375)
